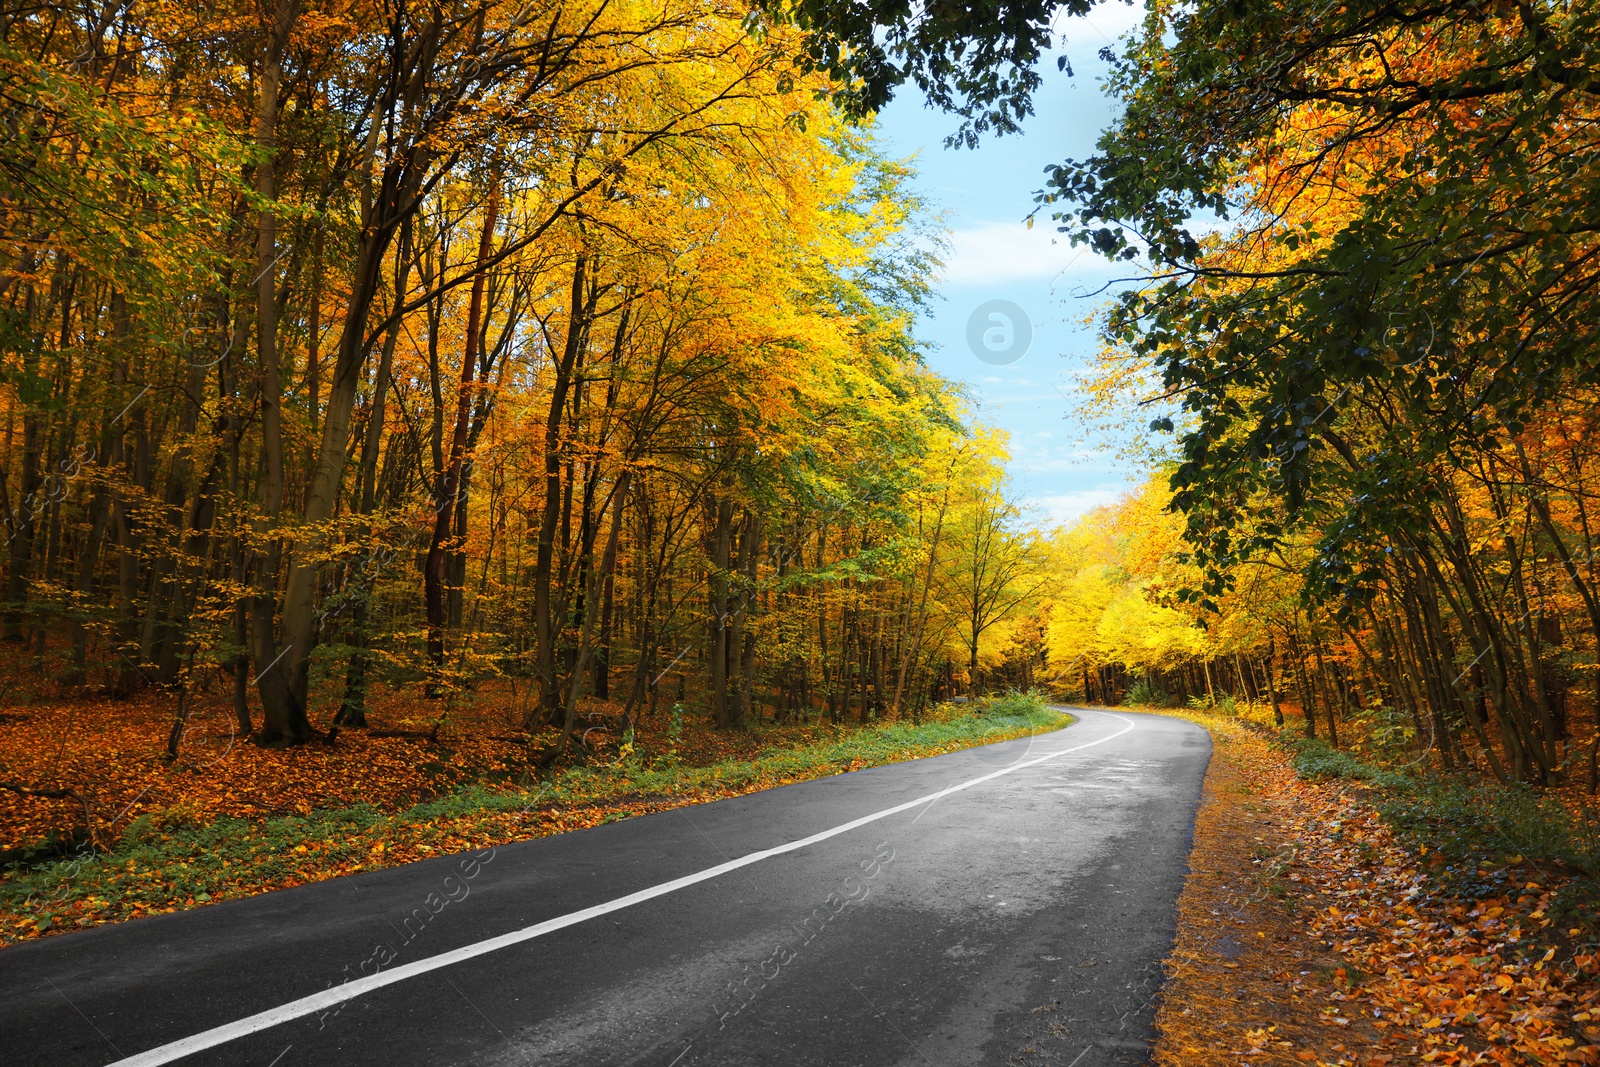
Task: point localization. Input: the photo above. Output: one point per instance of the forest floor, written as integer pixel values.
(141, 834)
(1316, 926)
(1314, 931)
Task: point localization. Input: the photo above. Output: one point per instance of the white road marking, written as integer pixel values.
(326, 999)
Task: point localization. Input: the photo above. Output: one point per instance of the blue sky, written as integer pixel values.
(985, 194)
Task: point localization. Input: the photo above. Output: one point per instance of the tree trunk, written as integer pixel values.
(1272, 689)
(602, 651)
(283, 703)
(581, 301)
(353, 705)
(29, 504)
(607, 565)
(445, 492)
(720, 636)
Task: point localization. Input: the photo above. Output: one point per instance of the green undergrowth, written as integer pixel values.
(158, 866)
(1476, 835)
(1315, 759)
(1475, 839)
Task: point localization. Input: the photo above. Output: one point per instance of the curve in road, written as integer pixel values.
(1005, 904)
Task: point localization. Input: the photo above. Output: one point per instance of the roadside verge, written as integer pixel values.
(1308, 934)
(157, 867)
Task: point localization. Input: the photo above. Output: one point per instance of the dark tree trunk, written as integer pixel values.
(1272, 689)
(602, 651)
(449, 484)
(721, 622)
(546, 633)
(282, 691)
(353, 705)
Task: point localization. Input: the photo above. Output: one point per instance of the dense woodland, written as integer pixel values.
(572, 346)
(541, 382)
(1368, 313)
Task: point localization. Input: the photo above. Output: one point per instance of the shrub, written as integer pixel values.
(1147, 693)
(1317, 760)
(1460, 820)
(1387, 731)
(1012, 704)
(1223, 705)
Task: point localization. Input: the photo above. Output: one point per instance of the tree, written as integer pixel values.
(995, 568)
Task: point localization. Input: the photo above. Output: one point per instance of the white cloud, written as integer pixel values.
(1008, 252)
(988, 252)
(1060, 509)
(1046, 461)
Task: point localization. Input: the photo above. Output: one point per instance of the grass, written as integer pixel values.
(1480, 834)
(1477, 838)
(171, 860)
(1316, 760)
(1463, 820)
(1476, 835)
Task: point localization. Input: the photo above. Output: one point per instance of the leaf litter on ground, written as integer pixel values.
(170, 837)
(1310, 933)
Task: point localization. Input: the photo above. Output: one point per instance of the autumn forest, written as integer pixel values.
(529, 390)
(417, 347)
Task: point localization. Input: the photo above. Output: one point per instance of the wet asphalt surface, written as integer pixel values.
(1020, 921)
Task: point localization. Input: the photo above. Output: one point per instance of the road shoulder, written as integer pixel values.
(159, 865)
(1308, 935)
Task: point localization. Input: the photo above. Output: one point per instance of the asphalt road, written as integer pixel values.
(1019, 919)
